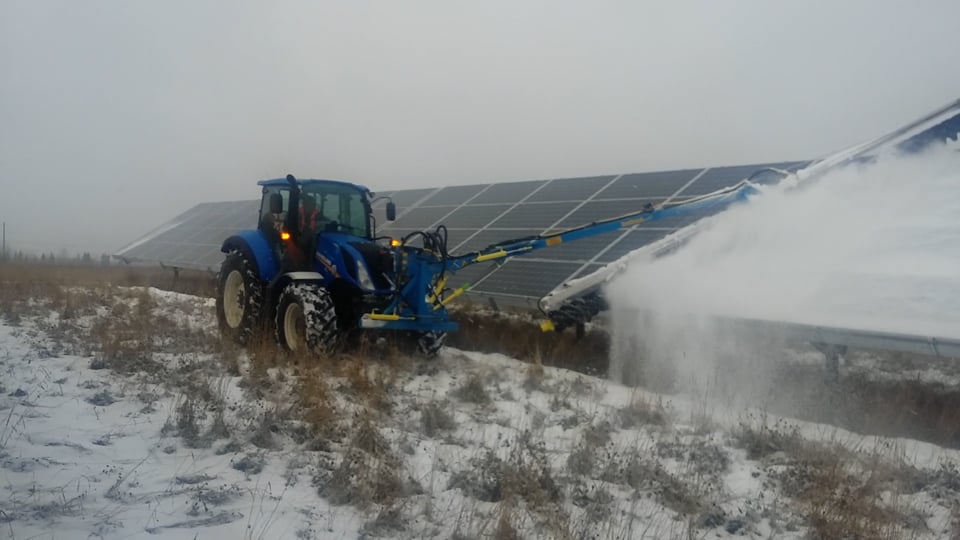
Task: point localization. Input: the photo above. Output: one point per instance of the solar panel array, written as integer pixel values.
(479, 215)
(193, 239)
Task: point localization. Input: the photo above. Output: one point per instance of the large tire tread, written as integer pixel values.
(251, 322)
(322, 334)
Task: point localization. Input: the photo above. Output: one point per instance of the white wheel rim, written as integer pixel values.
(233, 298)
(293, 324)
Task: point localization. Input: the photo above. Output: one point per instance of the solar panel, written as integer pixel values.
(193, 239)
(470, 275)
(633, 240)
(455, 195)
(209, 261)
(571, 189)
(405, 199)
(192, 253)
(656, 185)
(507, 193)
(477, 216)
(488, 237)
(601, 210)
(423, 217)
(582, 251)
(534, 216)
(587, 270)
(527, 278)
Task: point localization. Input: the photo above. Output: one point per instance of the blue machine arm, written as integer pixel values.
(701, 205)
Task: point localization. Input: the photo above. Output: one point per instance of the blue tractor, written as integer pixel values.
(310, 268)
(314, 270)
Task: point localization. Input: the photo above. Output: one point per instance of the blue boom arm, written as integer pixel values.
(419, 303)
(701, 205)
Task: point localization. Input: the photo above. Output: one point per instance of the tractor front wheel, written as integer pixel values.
(306, 320)
(239, 298)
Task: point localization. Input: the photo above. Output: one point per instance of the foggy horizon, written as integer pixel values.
(116, 117)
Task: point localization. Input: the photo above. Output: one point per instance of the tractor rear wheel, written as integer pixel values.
(239, 298)
(430, 343)
(306, 320)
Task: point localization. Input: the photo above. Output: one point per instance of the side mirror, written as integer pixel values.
(391, 211)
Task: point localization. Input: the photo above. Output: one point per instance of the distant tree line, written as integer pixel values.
(80, 259)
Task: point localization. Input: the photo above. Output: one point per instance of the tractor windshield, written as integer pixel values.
(335, 208)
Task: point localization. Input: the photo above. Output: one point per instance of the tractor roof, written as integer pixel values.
(311, 181)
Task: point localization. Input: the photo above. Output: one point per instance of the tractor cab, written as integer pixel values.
(311, 224)
(321, 206)
(292, 218)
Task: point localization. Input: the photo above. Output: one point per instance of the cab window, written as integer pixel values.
(269, 217)
(341, 209)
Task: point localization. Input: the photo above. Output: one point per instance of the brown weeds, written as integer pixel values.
(518, 335)
(841, 494)
(434, 419)
(318, 405)
(472, 391)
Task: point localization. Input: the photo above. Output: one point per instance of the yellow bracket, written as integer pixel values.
(388, 317)
(457, 292)
(547, 326)
(436, 290)
(491, 256)
(499, 254)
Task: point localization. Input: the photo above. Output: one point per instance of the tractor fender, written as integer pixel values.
(311, 277)
(282, 280)
(256, 248)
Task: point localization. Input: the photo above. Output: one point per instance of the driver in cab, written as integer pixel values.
(309, 215)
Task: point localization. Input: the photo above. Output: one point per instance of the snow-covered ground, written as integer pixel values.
(122, 416)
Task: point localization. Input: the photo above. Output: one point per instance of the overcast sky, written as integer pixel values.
(116, 116)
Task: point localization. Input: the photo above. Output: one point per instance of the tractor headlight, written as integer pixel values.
(363, 276)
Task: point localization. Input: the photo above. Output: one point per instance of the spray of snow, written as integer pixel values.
(871, 247)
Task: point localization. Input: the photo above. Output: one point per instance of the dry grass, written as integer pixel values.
(525, 475)
(38, 276)
(763, 440)
(642, 411)
(472, 390)
(840, 493)
(524, 486)
(435, 419)
(518, 335)
(368, 473)
(922, 410)
(318, 405)
(369, 382)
